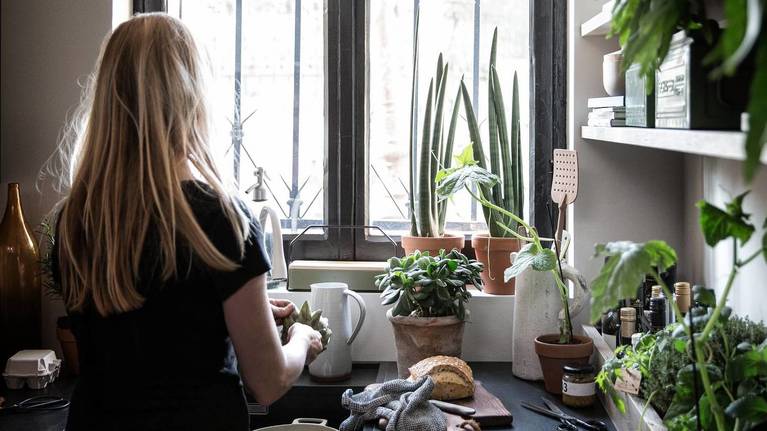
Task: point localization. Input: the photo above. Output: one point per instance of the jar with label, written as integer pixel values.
(578, 388)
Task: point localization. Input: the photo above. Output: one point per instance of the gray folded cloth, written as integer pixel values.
(405, 404)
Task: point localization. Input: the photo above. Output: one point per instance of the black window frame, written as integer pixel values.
(346, 140)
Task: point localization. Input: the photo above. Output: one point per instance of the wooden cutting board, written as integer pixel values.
(490, 410)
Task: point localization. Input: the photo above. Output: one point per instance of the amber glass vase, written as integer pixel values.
(19, 281)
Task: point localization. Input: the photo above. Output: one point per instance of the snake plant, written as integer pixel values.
(427, 213)
(504, 148)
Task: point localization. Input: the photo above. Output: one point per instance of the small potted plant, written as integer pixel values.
(553, 350)
(494, 247)
(429, 295)
(427, 213)
(47, 233)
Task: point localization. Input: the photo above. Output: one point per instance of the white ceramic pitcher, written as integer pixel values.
(538, 311)
(335, 363)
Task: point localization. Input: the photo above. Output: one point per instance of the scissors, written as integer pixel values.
(567, 422)
(38, 403)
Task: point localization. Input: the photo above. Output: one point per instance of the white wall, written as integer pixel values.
(47, 46)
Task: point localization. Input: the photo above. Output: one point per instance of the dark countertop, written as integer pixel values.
(498, 380)
(316, 399)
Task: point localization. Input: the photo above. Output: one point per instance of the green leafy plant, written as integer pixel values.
(504, 148)
(427, 214)
(47, 234)
(645, 29)
(429, 286)
(627, 263)
(533, 254)
(308, 317)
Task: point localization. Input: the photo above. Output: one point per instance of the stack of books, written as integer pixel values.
(607, 112)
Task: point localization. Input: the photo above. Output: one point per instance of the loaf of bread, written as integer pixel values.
(452, 377)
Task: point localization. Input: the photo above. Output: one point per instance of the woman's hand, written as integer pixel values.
(281, 308)
(312, 338)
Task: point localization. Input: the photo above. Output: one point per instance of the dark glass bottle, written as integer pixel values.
(628, 325)
(610, 326)
(658, 310)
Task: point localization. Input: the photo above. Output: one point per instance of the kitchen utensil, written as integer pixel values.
(569, 421)
(335, 363)
(453, 408)
(39, 403)
(564, 185)
(301, 424)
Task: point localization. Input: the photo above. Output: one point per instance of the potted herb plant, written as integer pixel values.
(427, 214)
(429, 295)
(553, 350)
(47, 233)
(494, 247)
(723, 394)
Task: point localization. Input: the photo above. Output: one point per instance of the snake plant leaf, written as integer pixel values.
(447, 155)
(425, 178)
(436, 141)
(479, 153)
(413, 126)
(628, 263)
(718, 224)
(764, 240)
(508, 164)
(531, 256)
(492, 125)
(516, 151)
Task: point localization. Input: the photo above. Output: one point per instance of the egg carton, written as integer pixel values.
(34, 368)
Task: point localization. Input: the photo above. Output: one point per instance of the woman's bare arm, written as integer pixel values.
(268, 368)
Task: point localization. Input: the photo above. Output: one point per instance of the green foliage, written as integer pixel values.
(429, 286)
(628, 263)
(308, 317)
(645, 29)
(721, 224)
(427, 214)
(541, 259)
(504, 149)
(626, 358)
(46, 230)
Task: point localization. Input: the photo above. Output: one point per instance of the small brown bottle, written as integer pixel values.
(657, 310)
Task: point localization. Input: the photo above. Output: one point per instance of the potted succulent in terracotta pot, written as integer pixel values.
(429, 295)
(435, 150)
(494, 247)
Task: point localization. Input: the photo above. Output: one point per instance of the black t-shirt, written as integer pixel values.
(169, 364)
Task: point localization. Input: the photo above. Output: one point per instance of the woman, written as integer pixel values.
(162, 274)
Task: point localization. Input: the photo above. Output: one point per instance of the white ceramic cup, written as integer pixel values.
(613, 78)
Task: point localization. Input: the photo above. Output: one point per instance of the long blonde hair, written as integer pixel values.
(145, 121)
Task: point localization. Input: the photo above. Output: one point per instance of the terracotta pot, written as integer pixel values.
(19, 280)
(432, 244)
(68, 346)
(418, 338)
(554, 356)
(495, 254)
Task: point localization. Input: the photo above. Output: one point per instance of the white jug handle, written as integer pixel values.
(581, 293)
(361, 303)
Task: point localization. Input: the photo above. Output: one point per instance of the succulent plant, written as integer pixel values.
(310, 318)
(429, 286)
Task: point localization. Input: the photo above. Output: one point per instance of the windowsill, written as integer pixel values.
(282, 289)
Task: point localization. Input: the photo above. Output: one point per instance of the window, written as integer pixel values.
(462, 31)
(318, 93)
(269, 84)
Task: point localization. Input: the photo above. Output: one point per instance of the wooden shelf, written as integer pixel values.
(712, 143)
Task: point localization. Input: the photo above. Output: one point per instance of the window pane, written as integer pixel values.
(447, 27)
(282, 92)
